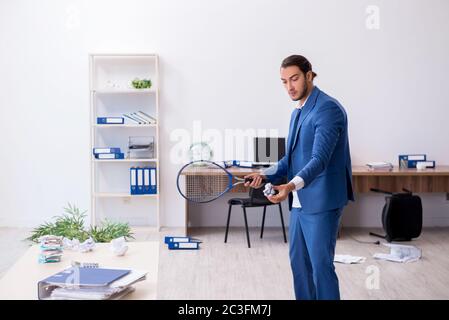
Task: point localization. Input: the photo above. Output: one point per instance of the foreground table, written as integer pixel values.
(20, 281)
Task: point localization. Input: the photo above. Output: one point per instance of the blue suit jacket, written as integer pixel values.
(320, 155)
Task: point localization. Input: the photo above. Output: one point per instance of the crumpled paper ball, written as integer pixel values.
(75, 245)
(119, 246)
(87, 245)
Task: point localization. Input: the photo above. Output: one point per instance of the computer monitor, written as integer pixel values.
(268, 150)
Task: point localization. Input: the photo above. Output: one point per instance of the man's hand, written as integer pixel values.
(257, 180)
(284, 190)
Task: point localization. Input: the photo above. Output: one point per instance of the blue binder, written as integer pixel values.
(139, 180)
(169, 239)
(184, 245)
(86, 276)
(146, 181)
(106, 150)
(119, 155)
(410, 160)
(110, 120)
(153, 181)
(133, 180)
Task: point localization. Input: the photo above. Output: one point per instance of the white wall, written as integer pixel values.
(219, 64)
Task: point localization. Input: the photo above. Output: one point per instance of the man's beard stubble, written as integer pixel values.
(305, 88)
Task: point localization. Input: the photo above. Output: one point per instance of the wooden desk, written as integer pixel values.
(429, 180)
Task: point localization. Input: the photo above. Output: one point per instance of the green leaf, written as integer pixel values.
(71, 225)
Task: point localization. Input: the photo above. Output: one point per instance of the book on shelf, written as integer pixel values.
(131, 120)
(139, 117)
(146, 116)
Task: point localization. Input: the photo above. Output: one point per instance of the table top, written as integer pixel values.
(20, 281)
(442, 170)
(364, 171)
(237, 171)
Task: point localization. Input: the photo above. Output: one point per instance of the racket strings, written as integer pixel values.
(205, 183)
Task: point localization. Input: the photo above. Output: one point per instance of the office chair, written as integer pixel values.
(256, 199)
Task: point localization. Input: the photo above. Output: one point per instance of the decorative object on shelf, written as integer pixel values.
(200, 151)
(141, 84)
(71, 225)
(112, 85)
(141, 147)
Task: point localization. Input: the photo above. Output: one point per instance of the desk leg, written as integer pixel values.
(186, 222)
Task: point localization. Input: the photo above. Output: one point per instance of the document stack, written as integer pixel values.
(182, 243)
(89, 283)
(139, 117)
(379, 166)
(51, 248)
(143, 180)
(108, 153)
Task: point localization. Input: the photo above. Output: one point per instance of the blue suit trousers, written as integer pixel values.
(312, 249)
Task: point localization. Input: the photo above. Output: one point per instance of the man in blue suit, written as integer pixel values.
(317, 165)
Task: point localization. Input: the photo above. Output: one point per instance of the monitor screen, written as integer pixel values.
(268, 149)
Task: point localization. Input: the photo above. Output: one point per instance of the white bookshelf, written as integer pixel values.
(124, 125)
(111, 95)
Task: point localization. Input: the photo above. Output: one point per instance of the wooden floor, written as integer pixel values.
(232, 271)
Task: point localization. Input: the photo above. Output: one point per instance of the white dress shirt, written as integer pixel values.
(297, 180)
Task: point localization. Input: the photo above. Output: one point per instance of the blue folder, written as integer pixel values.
(104, 156)
(133, 180)
(183, 245)
(410, 160)
(146, 180)
(110, 120)
(170, 239)
(86, 276)
(153, 181)
(139, 189)
(106, 150)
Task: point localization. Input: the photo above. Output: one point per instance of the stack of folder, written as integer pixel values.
(408, 161)
(89, 283)
(108, 153)
(182, 243)
(51, 248)
(143, 180)
(139, 117)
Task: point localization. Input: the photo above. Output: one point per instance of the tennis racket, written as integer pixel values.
(206, 181)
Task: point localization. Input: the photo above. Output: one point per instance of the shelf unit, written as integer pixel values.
(111, 94)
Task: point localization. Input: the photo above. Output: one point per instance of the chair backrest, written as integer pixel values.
(257, 196)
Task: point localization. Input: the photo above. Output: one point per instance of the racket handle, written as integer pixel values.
(251, 180)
